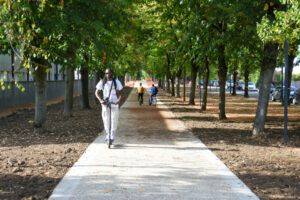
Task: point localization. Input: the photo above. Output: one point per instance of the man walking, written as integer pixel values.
(140, 91)
(108, 93)
(153, 93)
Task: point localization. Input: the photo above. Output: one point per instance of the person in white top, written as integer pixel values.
(108, 93)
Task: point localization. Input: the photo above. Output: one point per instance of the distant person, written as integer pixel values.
(153, 92)
(108, 93)
(140, 91)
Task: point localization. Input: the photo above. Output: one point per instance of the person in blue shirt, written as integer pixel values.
(153, 92)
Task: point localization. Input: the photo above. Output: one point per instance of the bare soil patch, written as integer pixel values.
(269, 168)
(31, 163)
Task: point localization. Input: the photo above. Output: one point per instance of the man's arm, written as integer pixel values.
(99, 95)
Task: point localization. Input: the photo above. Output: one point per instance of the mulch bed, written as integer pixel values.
(32, 163)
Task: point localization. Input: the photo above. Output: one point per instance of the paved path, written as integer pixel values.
(154, 158)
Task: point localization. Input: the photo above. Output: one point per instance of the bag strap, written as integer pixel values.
(115, 83)
(111, 88)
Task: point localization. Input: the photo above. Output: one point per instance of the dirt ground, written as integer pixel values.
(269, 168)
(31, 163)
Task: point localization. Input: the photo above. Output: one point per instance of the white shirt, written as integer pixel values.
(113, 95)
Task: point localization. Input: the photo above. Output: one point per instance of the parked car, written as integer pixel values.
(200, 82)
(241, 85)
(273, 87)
(293, 98)
(251, 86)
(238, 86)
(296, 99)
(214, 83)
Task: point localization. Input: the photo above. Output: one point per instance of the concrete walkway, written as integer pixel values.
(155, 158)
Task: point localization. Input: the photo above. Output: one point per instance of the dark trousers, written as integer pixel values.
(151, 98)
(141, 96)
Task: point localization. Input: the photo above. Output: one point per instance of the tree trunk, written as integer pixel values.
(291, 66)
(234, 83)
(40, 113)
(163, 84)
(168, 85)
(266, 74)
(177, 86)
(178, 75)
(205, 85)
(222, 73)
(12, 56)
(184, 80)
(246, 75)
(160, 83)
(56, 72)
(85, 86)
(194, 69)
(173, 86)
(122, 79)
(69, 91)
(27, 74)
(168, 74)
(200, 92)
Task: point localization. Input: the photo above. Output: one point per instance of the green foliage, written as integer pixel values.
(29, 25)
(151, 35)
(2, 85)
(7, 85)
(284, 25)
(19, 86)
(296, 77)
(64, 32)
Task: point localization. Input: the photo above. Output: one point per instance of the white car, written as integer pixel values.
(251, 86)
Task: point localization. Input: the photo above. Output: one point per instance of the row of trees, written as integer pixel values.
(163, 37)
(224, 35)
(80, 34)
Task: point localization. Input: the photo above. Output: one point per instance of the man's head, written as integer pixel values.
(141, 84)
(109, 73)
(152, 85)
